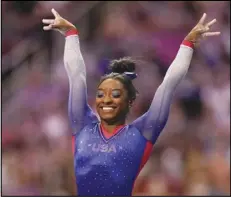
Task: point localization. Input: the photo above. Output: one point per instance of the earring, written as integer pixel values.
(130, 104)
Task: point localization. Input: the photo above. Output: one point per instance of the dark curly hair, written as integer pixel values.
(123, 70)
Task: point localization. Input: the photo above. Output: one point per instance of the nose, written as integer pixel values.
(107, 99)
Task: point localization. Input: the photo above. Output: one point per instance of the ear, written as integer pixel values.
(130, 103)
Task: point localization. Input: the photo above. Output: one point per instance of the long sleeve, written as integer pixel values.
(79, 111)
(154, 120)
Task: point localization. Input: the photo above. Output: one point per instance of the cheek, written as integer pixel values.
(97, 101)
(123, 104)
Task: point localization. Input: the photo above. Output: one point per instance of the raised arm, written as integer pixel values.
(154, 120)
(79, 111)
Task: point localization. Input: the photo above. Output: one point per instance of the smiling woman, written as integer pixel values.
(108, 153)
(116, 93)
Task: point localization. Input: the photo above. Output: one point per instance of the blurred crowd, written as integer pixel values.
(191, 156)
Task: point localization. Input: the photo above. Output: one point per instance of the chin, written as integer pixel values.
(112, 119)
(108, 118)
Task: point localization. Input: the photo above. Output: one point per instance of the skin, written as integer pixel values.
(111, 93)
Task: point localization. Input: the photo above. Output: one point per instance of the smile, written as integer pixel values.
(108, 109)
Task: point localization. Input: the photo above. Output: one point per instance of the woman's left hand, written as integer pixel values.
(201, 30)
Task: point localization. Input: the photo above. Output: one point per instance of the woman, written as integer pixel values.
(108, 153)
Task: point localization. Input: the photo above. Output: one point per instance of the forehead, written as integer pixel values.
(111, 84)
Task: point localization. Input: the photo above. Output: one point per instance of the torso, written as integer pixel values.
(108, 166)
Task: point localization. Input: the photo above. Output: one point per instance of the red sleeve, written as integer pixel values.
(72, 32)
(188, 44)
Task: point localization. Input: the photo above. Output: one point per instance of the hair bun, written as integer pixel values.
(122, 65)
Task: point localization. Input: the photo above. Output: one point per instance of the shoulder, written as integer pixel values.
(88, 128)
(136, 131)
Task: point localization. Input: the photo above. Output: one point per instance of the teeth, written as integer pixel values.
(107, 108)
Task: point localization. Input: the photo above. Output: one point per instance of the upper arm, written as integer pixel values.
(154, 120)
(80, 113)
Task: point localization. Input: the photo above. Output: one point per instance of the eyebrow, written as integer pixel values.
(112, 89)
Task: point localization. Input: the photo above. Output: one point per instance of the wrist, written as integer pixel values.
(188, 43)
(72, 31)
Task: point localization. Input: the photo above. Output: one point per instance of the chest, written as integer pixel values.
(124, 148)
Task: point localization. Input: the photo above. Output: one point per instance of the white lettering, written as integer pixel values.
(95, 148)
(104, 148)
(112, 149)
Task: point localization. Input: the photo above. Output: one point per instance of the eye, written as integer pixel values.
(116, 93)
(99, 94)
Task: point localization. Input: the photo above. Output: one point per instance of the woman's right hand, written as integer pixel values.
(59, 24)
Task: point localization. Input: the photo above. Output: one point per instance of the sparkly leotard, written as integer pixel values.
(108, 165)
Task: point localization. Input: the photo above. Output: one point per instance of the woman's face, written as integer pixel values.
(112, 101)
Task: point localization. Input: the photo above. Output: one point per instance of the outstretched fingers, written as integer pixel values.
(205, 28)
(207, 34)
(202, 20)
(56, 14)
(211, 23)
(48, 21)
(53, 24)
(46, 28)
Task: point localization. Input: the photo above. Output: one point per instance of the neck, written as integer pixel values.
(111, 127)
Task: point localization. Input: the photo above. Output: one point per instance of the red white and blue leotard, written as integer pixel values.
(108, 165)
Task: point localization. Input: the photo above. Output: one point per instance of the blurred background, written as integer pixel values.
(192, 155)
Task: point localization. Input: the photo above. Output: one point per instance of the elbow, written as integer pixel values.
(172, 81)
(73, 60)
